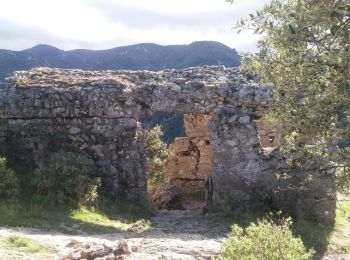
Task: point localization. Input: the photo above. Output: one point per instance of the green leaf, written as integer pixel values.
(334, 29)
(291, 29)
(333, 14)
(336, 14)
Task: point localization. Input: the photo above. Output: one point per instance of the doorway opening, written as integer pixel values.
(190, 160)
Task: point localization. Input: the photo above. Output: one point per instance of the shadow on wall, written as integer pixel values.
(245, 173)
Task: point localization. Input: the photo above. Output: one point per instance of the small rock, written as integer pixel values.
(84, 146)
(123, 247)
(73, 242)
(75, 255)
(87, 246)
(74, 130)
(244, 119)
(99, 252)
(84, 254)
(108, 248)
(109, 257)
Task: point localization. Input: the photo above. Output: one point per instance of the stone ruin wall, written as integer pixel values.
(47, 110)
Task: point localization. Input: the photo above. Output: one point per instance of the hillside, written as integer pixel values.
(144, 56)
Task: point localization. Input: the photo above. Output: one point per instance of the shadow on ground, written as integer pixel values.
(323, 238)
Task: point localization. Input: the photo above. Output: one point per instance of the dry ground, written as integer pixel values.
(174, 235)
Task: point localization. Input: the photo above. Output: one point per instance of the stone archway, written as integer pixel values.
(96, 113)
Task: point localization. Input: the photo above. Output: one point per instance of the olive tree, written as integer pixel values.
(157, 156)
(304, 50)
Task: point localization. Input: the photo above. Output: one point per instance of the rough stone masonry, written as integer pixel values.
(191, 161)
(96, 113)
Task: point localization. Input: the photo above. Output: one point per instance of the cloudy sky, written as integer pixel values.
(102, 24)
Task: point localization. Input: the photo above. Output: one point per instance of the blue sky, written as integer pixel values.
(102, 24)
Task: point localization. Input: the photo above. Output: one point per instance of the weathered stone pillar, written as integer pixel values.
(236, 160)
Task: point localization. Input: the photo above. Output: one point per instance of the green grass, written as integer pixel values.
(112, 217)
(116, 224)
(25, 244)
(340, 239)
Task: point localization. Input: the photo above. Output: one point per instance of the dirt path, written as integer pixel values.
(175, 235)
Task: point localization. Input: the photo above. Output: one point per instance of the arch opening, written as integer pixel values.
(190, 161)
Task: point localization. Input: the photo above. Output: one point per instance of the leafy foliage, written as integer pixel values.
(343, 180)
(66, 179)
(9, 186)
(157, 155)
(264, 240)
(171, 124)
(305, 53)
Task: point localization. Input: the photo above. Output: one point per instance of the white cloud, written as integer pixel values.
(66, 18)
(182, 6)
(99, 24)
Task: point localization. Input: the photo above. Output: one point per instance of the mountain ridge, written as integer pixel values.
(148, 56)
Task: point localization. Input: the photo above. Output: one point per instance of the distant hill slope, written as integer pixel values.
(144, 56)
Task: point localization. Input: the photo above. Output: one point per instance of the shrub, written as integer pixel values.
(66, 179)
(9, 186)
(157, 156)
(264, 240)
